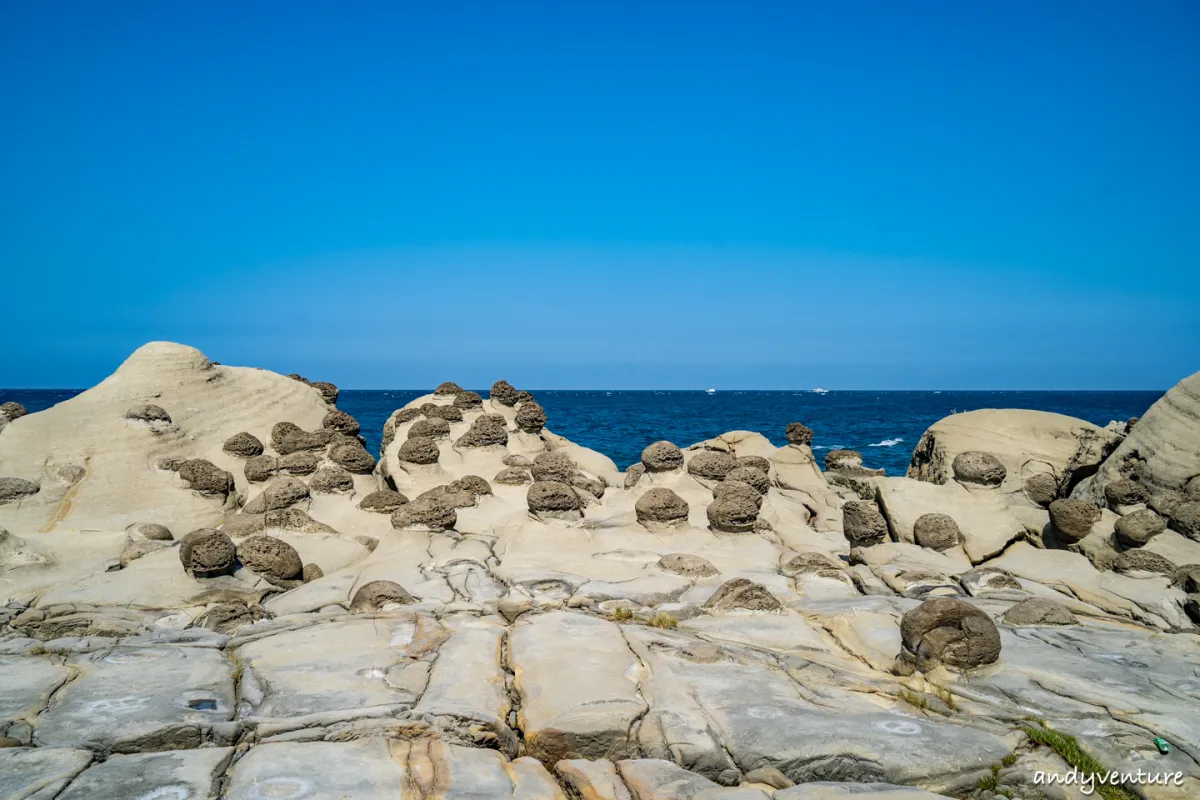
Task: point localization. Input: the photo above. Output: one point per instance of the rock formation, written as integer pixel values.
(234, 600)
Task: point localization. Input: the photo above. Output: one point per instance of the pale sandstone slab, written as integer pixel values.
(134, 699)
(986, 523)
(824, 790)
(27, 685)
(467, 683)
(376, 769)
(39, 773)
(1025, 442)
(592, 780)
(179, 774)
(578, 684)
(340, 665)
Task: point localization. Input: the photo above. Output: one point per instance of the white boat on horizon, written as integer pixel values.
(710, 391)
(819, 390)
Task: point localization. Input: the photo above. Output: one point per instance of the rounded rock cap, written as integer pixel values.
(419, 450)
(661, 505)
(711, 464)
(206, 552)
(1073, 519)
(466, 400)
(979, 467)
(936, 531)
(375, 595)
(1039, 611)
(687, 565)
(272, 558)
(949, 632)
(243, 445)
(662, 456)
(503, 393)
(552, 496)
(1041, 489)
(531, 417)
(798, 433)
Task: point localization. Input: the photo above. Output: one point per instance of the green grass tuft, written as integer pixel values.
(1068, 748)
(914, 699)
(663, 620)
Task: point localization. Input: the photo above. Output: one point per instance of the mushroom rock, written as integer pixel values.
(553, 466)
(466, 401)
(261, 468)
(978, 467)
(448, 412)
(353, 458)
(328, 391)
(425, 513)
(206, 553)
(205, 477)
(11, 411)
(759, 463)
(733, 512)
(741, 594)
(1125, 492)
(243, 445)
(332, 480)
(936, 531)
(687, 565)
(755, 478)
(947, 632)
(503, 393)
(661, 507)
(1143, 562)
(513, 476)
(662, 457)
(1041, 489)
(1072, 520)
(531, 417)
(435, 428)
(1039, 611)
(12, 489)
(280, 493)
(272, 558)
(554, 499)
(383, 501)
(863, 524)
(711, 464)
(302, 463)
(798, 433)
(340, 421)
(487, 430)
(375, 595)
(1138, 528)
(419, 450)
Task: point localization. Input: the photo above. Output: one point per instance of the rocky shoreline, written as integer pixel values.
(212, 589)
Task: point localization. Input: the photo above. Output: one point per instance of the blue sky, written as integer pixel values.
(612, 195)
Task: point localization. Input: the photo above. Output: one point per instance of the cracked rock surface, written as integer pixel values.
(557, 634)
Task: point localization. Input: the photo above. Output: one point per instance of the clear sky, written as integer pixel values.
(610, 195)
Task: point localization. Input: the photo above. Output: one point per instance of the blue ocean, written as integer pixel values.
(883, 426)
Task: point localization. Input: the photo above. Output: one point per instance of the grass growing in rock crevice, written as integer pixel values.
(1065, 745)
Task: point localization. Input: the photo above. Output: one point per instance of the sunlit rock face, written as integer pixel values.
(211, 590)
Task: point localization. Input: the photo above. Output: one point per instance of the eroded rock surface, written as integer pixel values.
(239, 602)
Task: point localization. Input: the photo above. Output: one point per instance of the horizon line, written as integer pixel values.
(699, 391)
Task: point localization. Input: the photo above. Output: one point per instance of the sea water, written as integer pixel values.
(883, 426)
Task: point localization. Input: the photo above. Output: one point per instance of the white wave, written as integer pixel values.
(887, 443)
